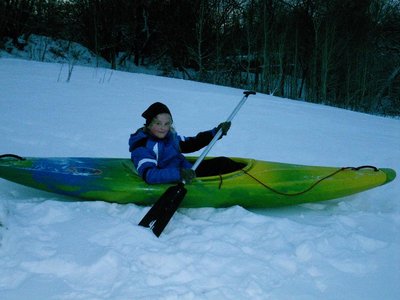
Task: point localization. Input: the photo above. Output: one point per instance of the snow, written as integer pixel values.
(52, 247)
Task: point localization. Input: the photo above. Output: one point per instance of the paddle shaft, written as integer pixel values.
(219, 133)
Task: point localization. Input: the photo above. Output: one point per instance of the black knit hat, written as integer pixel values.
(153, 110)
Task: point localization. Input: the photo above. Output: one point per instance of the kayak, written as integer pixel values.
(255, 184)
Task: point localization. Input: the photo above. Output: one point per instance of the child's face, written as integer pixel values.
(161, 125)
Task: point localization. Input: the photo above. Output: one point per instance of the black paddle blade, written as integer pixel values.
(162, 211)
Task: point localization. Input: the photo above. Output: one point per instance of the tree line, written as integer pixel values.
(344, 53)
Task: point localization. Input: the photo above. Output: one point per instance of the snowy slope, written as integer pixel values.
(55, 248)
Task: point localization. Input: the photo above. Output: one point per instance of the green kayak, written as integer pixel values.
(256, 183)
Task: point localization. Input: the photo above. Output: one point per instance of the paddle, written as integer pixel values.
(162, 211)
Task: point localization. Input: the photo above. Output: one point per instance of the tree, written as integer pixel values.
(338, 52)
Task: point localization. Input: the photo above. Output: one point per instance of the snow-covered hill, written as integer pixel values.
(55, 248)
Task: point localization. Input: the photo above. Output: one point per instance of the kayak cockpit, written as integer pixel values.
(218, 166)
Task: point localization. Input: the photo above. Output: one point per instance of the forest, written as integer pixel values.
(343, 53)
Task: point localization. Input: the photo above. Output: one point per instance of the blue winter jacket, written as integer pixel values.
(160, 160)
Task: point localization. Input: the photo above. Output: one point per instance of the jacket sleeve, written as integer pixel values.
(167, 175)
(192, 144)
(145, 163)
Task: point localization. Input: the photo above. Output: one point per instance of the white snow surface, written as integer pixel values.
(55, 248)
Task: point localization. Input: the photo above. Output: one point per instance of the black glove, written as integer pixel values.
(187, 175)
(225, 127)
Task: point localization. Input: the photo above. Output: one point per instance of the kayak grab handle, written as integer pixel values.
(13, 156)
